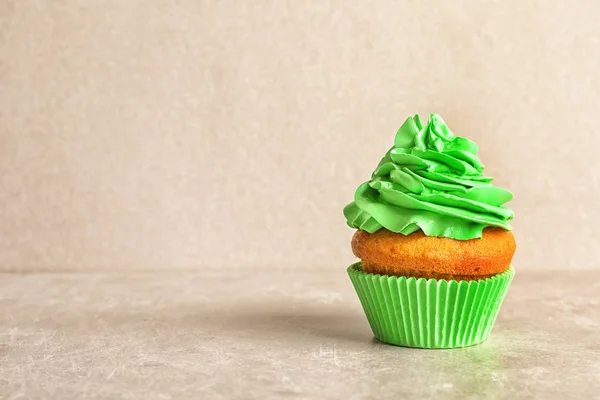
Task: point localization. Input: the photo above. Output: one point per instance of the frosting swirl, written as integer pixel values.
(431, 180)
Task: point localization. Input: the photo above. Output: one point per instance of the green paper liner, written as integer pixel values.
(430, 313)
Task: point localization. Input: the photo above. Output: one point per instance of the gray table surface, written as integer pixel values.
(277, 334)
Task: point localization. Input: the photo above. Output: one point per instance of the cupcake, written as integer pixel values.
(434, 241)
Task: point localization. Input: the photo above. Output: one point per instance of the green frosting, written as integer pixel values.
(431, 180)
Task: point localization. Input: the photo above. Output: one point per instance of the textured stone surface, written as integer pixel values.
(270, 335)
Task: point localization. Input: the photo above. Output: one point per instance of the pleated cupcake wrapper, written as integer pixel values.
(430, 313)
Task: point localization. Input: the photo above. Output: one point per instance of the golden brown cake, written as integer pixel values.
(389, 253)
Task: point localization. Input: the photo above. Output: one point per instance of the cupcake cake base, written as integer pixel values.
(430, 313)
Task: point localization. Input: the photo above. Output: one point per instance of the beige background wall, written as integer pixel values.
(164, 134)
